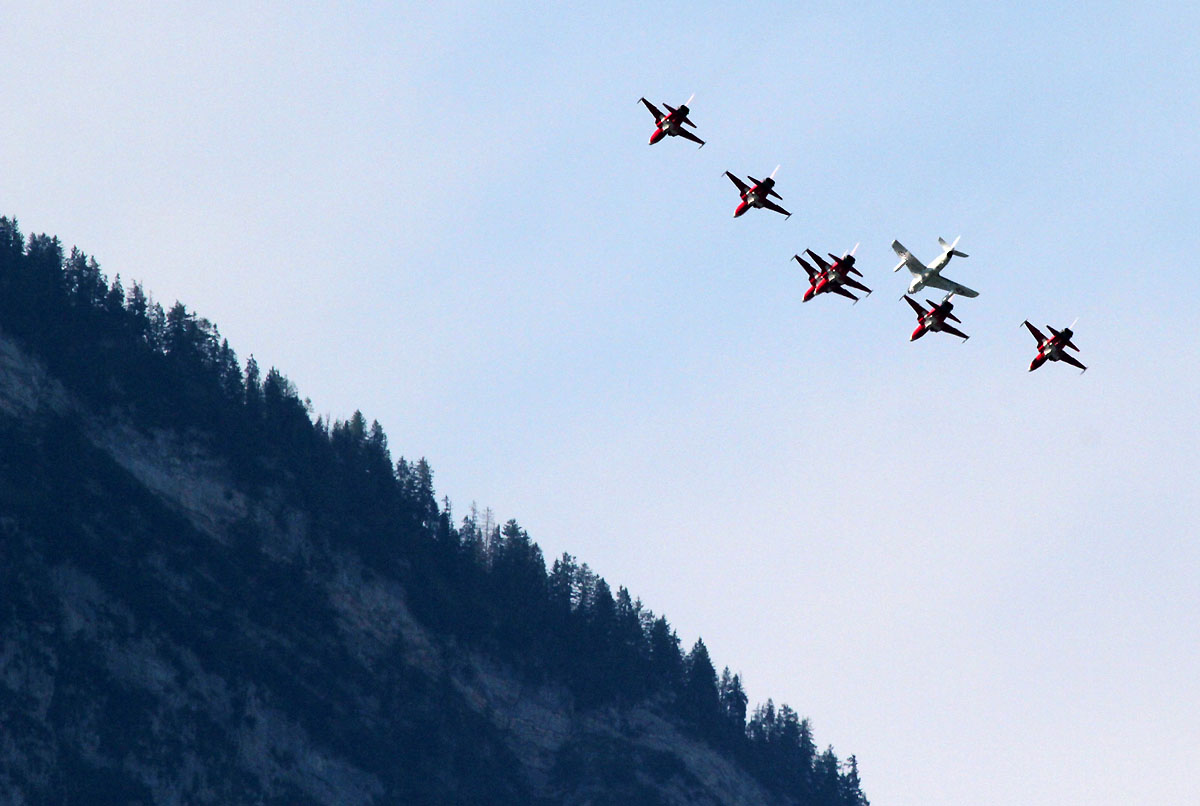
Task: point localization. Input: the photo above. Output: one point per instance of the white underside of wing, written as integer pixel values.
(938, 281)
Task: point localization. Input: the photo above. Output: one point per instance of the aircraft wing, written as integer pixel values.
(809, 269)
(915, 266)
(1072, 360)
(820, 261)
(742, 186)
(938, 281)
(770, 205)
(916, 306)
(688, 135)
(1037, 334)
(838, 288)
(850, 281)
(653, 110)
(954, 331)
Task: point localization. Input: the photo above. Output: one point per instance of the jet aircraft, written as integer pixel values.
(1054, 348)
(935, 318)
(672, 124)
(931, 276)
(831, 277)
(756, 195)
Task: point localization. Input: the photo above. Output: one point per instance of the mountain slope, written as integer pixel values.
(206, 597)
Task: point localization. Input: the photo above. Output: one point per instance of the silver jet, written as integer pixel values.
(930, 276)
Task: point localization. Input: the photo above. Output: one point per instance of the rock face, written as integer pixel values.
(168, 637)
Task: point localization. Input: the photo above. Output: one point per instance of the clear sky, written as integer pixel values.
(983, 582)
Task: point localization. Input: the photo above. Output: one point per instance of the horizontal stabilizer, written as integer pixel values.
(949, 247)
(906, 258)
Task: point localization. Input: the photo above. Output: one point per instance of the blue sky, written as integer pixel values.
(983, 582)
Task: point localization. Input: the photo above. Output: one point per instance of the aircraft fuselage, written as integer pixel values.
(1055, 349)
(929, 321)
(750, 198)
(932, 270)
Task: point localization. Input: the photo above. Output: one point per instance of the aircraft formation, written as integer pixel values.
(838, 276)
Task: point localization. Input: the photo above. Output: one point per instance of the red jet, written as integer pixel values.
(832, 277)
(673, 123)
(935, 318)
(1053, 349)
(756, 196)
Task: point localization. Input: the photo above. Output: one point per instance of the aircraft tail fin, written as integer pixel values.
(949, 247)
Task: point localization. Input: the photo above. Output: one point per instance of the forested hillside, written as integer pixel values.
(207, 595)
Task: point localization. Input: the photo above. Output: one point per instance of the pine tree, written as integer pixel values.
(423, 495)
(229, 372)
(137, 306)
(254, 392)
(733, 701)
(560, 585)
(851, 786)
(701, 702)
(666, 661)
(827, 782)
(114, 301)
(178, 335)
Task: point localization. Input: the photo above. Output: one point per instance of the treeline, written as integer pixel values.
(486, 584)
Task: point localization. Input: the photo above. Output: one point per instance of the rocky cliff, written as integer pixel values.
(169, 636)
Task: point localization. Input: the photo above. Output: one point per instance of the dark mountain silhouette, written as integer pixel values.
(208, 597)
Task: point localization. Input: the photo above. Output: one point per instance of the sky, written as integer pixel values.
(983, 582)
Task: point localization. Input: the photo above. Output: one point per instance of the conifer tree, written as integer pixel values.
(229, 372)
(852, 794)
(253, 389)
(666, 661)
(114, 302)
(701, 702)
(559, 586)
(178, 333)
(733, 700)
